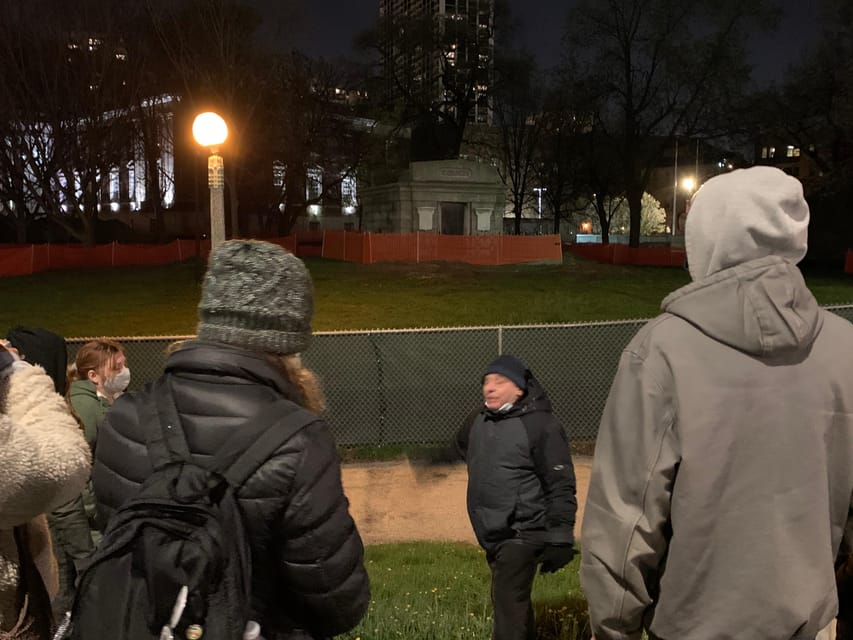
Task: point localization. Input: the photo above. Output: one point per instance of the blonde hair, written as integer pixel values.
(92, 356)
(306, 381)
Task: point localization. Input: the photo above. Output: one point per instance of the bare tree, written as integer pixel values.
(663, 67)
(438, 73)
(212, 47)
(513, 142)
(64, 109)
(310, 132)
(813, 107)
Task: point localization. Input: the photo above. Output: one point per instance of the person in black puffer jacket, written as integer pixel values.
(308, 575)
(521, 490)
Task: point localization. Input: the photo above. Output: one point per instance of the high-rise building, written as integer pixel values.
(457, 52)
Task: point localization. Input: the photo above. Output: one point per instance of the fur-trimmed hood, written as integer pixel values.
(44, 462)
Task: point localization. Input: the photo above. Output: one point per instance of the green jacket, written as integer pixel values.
(89, 407)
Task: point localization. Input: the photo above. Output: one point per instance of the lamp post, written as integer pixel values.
(539, 191)
(210, 130)
(675, 188)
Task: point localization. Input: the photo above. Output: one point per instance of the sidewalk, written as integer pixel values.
(399, 501)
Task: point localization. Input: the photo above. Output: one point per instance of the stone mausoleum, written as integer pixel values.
(458, 197)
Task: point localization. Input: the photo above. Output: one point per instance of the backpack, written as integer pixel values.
(174, 561)
(42, 347)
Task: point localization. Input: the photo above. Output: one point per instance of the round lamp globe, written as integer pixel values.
(209, 129)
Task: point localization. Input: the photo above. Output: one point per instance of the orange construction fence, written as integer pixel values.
(368, 248)
(18, 260)
(623, 254)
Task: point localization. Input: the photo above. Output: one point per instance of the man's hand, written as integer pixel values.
(555, 557)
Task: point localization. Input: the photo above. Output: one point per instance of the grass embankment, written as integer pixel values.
(162, 300)
(440, 591)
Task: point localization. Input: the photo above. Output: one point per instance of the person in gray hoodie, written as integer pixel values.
(723, 471)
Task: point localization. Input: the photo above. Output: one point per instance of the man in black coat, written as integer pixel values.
(308, 575)
(521, 490)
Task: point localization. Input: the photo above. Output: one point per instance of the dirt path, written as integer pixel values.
(399, 501)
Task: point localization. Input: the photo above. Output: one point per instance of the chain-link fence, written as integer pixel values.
(417, 386)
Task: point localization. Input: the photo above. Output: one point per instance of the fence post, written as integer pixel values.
(500, 340)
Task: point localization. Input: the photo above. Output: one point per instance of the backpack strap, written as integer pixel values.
(254, 442)
(167, 442)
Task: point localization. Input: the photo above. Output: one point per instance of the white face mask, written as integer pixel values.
(506, 406)
(118, 383)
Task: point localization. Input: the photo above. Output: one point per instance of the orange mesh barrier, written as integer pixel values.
(136, 254)
(483, 249)
(339, 245)
(515, 249)
(355, 247)
(186, 248)
(72, 256)
(623, 254)
(41, 257)
(335, 245)
(596, 252)
(17, 261)
(391, 247)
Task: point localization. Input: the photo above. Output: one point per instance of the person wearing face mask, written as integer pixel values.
(521, 490)
(98, 375)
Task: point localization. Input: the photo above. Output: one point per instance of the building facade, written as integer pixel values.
(461, 37)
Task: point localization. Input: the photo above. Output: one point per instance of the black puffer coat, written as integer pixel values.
(521, 481)
(307, 555)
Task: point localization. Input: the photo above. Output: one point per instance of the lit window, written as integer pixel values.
(278, 172)
(796, 152)
(313, 184)
(349, 191)
(114, 184)
(789, 152)
(763, 152)
(772, 153)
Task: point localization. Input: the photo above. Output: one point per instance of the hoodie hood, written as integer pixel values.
(762, 307)
(746, 215)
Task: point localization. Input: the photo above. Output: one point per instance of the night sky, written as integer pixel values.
(326, 28)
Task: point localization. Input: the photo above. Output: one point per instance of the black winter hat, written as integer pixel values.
(512, 368)
(6, 360)
(257, 296)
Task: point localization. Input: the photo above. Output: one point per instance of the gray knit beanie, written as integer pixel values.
(258, 296)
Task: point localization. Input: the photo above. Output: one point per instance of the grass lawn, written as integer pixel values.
(162, 300)
(440, 591)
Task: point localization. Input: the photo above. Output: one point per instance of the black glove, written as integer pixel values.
(555, 557)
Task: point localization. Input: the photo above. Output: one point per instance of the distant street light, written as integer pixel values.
(210, 130)
(688, 184)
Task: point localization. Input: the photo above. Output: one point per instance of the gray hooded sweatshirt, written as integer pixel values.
(723, 470)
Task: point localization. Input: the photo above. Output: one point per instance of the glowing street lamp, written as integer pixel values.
(210, 130)
(688, 184)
